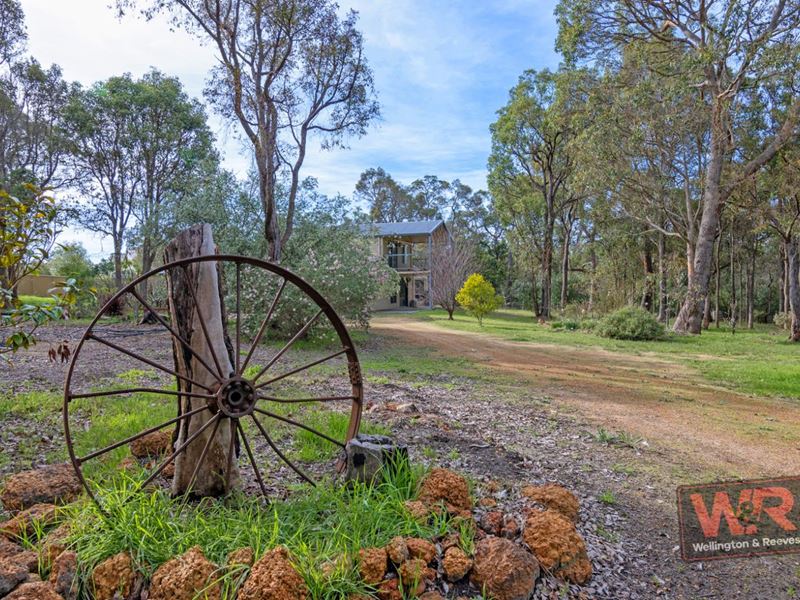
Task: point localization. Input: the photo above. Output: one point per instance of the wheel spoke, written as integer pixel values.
(238, 315)
(180, 449)
(202, 320)
(300, 425)
(299, 369)
(231, 450)
(139, 435)
(252, 460)
(302, 400)
(283, 457)
(178, 336)
(263, 327)
(203, 454)
(91, 336)
(288, 345)
(139, 390)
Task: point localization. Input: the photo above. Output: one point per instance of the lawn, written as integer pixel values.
(758, 361)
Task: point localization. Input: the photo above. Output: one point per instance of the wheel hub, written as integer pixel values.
(236, 397)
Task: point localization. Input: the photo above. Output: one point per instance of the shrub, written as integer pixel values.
(589, 324)
(631, 323)
(556, 324)
(571, 325)
(782, 320)
(478, 297)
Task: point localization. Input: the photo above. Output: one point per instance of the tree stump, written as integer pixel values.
(198, 313)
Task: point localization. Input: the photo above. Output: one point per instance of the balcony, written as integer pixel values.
(408, 262)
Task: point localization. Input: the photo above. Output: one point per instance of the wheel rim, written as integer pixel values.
(246, 395)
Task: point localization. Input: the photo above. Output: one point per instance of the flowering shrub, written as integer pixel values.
(333, 255)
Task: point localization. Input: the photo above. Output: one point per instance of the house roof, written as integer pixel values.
(404, 228)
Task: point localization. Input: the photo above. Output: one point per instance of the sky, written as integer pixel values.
(442, 69)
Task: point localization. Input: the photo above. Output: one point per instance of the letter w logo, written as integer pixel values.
(751, 505)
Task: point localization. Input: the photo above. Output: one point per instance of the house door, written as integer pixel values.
(403, 291)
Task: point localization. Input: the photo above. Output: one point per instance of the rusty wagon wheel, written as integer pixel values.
(254, 400)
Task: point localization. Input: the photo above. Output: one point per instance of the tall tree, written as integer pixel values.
(33, 144)
(734, 47)
(12, 30)
(530, 156)
(386, 199)
(172, 143)
(288, 70)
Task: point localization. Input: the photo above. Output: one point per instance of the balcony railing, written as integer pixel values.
(408, 262)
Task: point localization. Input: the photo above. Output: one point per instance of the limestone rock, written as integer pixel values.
(557, 545)
(274, 577)
(492, 522)
(397, 550)
(504, 570)
(16, 553)
(390, 590)
(37, 590)
(64, 575)
(12, 574)
(413, 573)
(152, 444)
(54, 543)
(443, 485)
(114, 578)
(419, 548)
(418, 511)
(24, 523)
(184, 576)
(53, 484)
(555, 498)
(372, 564)
(456, 564)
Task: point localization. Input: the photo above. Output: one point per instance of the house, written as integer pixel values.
(408, 247)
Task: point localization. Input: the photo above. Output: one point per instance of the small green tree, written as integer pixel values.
(478, 297)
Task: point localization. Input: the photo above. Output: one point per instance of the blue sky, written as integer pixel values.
(441, 69)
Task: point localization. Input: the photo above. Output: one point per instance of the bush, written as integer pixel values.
(571, 325)
(556, 324)
(589, 324)
(630, 323)
(478, 297)
(782, 320)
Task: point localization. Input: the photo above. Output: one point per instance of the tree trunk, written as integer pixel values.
(751, 283)
(547, 273)
(794, 287)
(565, 267)
(785, 284)
(218, 472)
(648, 293)
(662, 278)
(718, 245)
(118, 263)
(690, 316)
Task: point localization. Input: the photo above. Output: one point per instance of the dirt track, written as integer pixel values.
(665, 403)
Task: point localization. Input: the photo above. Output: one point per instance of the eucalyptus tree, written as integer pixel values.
(732, 47)
(12, 30)
(288, 71)
(101, 122)
(531, 158)
(172, 144)
(33, 145)
(387, 200)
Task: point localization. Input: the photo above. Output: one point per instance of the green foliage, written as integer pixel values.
(478, 297)
(331, 253)
(324, 525)
(631, 323)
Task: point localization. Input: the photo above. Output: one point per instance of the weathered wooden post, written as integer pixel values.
(207, 467)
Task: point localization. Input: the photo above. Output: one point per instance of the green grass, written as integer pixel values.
(323, 525)
(758, 361)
